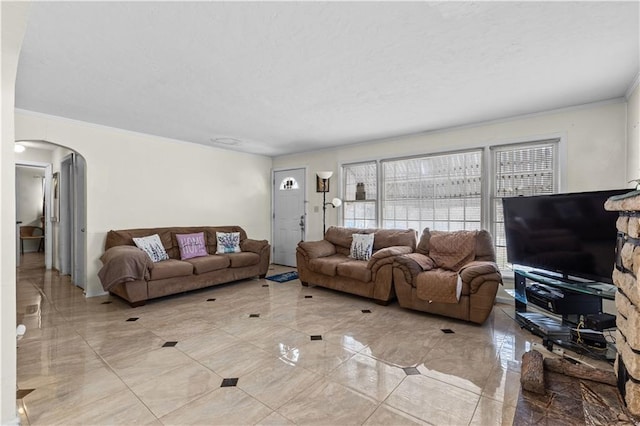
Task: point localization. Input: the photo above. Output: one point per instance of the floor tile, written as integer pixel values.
(433, 401)
(455, 359)
(223, 406)
(275, 382)
(491, 412)
(275, 419)
(142, 367)
(236, 360)
(385, 415)
(318, 356)
(311, 407)
(46, 403)
(169, 391)
(368, 376)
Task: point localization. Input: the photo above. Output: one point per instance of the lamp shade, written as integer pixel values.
(325, 175)
(337, 202)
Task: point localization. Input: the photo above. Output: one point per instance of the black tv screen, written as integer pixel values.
(571, 234)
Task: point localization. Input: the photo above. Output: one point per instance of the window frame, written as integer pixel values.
(381, 186)
(343, 191)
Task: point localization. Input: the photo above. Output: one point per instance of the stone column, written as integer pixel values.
(625, 277)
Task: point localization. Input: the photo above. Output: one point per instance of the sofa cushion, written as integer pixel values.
(327, 265)
(452, 250)
(170, 269)
(191, 245)
(341, 237)
(239, 260)
(395, 237)
(152, 246)
(202, 265)
(228, 242)
(355, 269)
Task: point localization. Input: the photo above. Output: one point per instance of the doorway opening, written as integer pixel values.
(62, 211)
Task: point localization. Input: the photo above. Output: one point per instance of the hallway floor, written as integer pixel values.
(257, 352)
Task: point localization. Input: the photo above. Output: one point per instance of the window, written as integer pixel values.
(450, 191)
(360, 195)
(524, 169)
(441, 192)
(288, 183)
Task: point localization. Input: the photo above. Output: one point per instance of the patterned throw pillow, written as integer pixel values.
(362, 246)
(191, 245)
(228, 242)
(152, 246)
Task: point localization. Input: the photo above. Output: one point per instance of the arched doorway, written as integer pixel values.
(65, 206)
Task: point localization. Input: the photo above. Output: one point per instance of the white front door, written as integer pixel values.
(289, 216)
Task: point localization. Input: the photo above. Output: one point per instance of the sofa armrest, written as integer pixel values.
(412, 264)
(477, 272)
(122, 264)
(316, 249)
(387, 254)
(254, 246)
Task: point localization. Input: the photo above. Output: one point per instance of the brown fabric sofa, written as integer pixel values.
(326, 263)
(427, 280)
(129, 273)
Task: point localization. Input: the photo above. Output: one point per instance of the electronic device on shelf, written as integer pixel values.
(570, 234)
(559, 302)
(592, 338)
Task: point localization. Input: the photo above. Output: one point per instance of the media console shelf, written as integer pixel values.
(568, 299)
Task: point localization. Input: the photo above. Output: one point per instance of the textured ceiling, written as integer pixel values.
(285, 77)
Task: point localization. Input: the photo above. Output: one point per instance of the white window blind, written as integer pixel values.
(524, 169)
(360, 195)
(442, 192)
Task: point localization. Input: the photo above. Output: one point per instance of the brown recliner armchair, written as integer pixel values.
(451, 273)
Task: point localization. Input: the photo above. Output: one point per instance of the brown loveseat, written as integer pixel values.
(327, 263)
(129, 273)
(451, 273)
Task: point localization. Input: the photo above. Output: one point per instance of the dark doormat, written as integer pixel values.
(572, 401)
(284, 277)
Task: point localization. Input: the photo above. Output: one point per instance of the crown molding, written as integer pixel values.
(633, 87)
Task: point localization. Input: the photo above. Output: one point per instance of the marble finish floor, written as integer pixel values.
(257, 352)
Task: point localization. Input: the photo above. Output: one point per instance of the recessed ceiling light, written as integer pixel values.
(19, 148)
(226, 141)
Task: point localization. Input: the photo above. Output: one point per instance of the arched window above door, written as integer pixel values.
(288, 183)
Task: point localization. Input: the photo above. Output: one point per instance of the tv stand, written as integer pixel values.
(564, 278)
(563, 304)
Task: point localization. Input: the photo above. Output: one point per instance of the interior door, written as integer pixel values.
(66, 216)
(289, 214)
(72, 249)
(78, 273)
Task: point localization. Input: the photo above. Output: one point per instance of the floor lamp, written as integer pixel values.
(336, 202)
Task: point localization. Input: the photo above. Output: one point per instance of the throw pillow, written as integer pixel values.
(362, 246)
(152, 246)
(191, 245)
(228, 242)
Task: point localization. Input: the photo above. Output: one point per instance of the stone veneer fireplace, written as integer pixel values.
(625, 277)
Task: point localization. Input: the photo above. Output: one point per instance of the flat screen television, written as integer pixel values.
(570, 234)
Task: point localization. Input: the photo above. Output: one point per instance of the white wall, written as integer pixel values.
(139, 181)
(596, 147)
(35, 155)
(633, 133)
(13, 19)
(29, 200)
